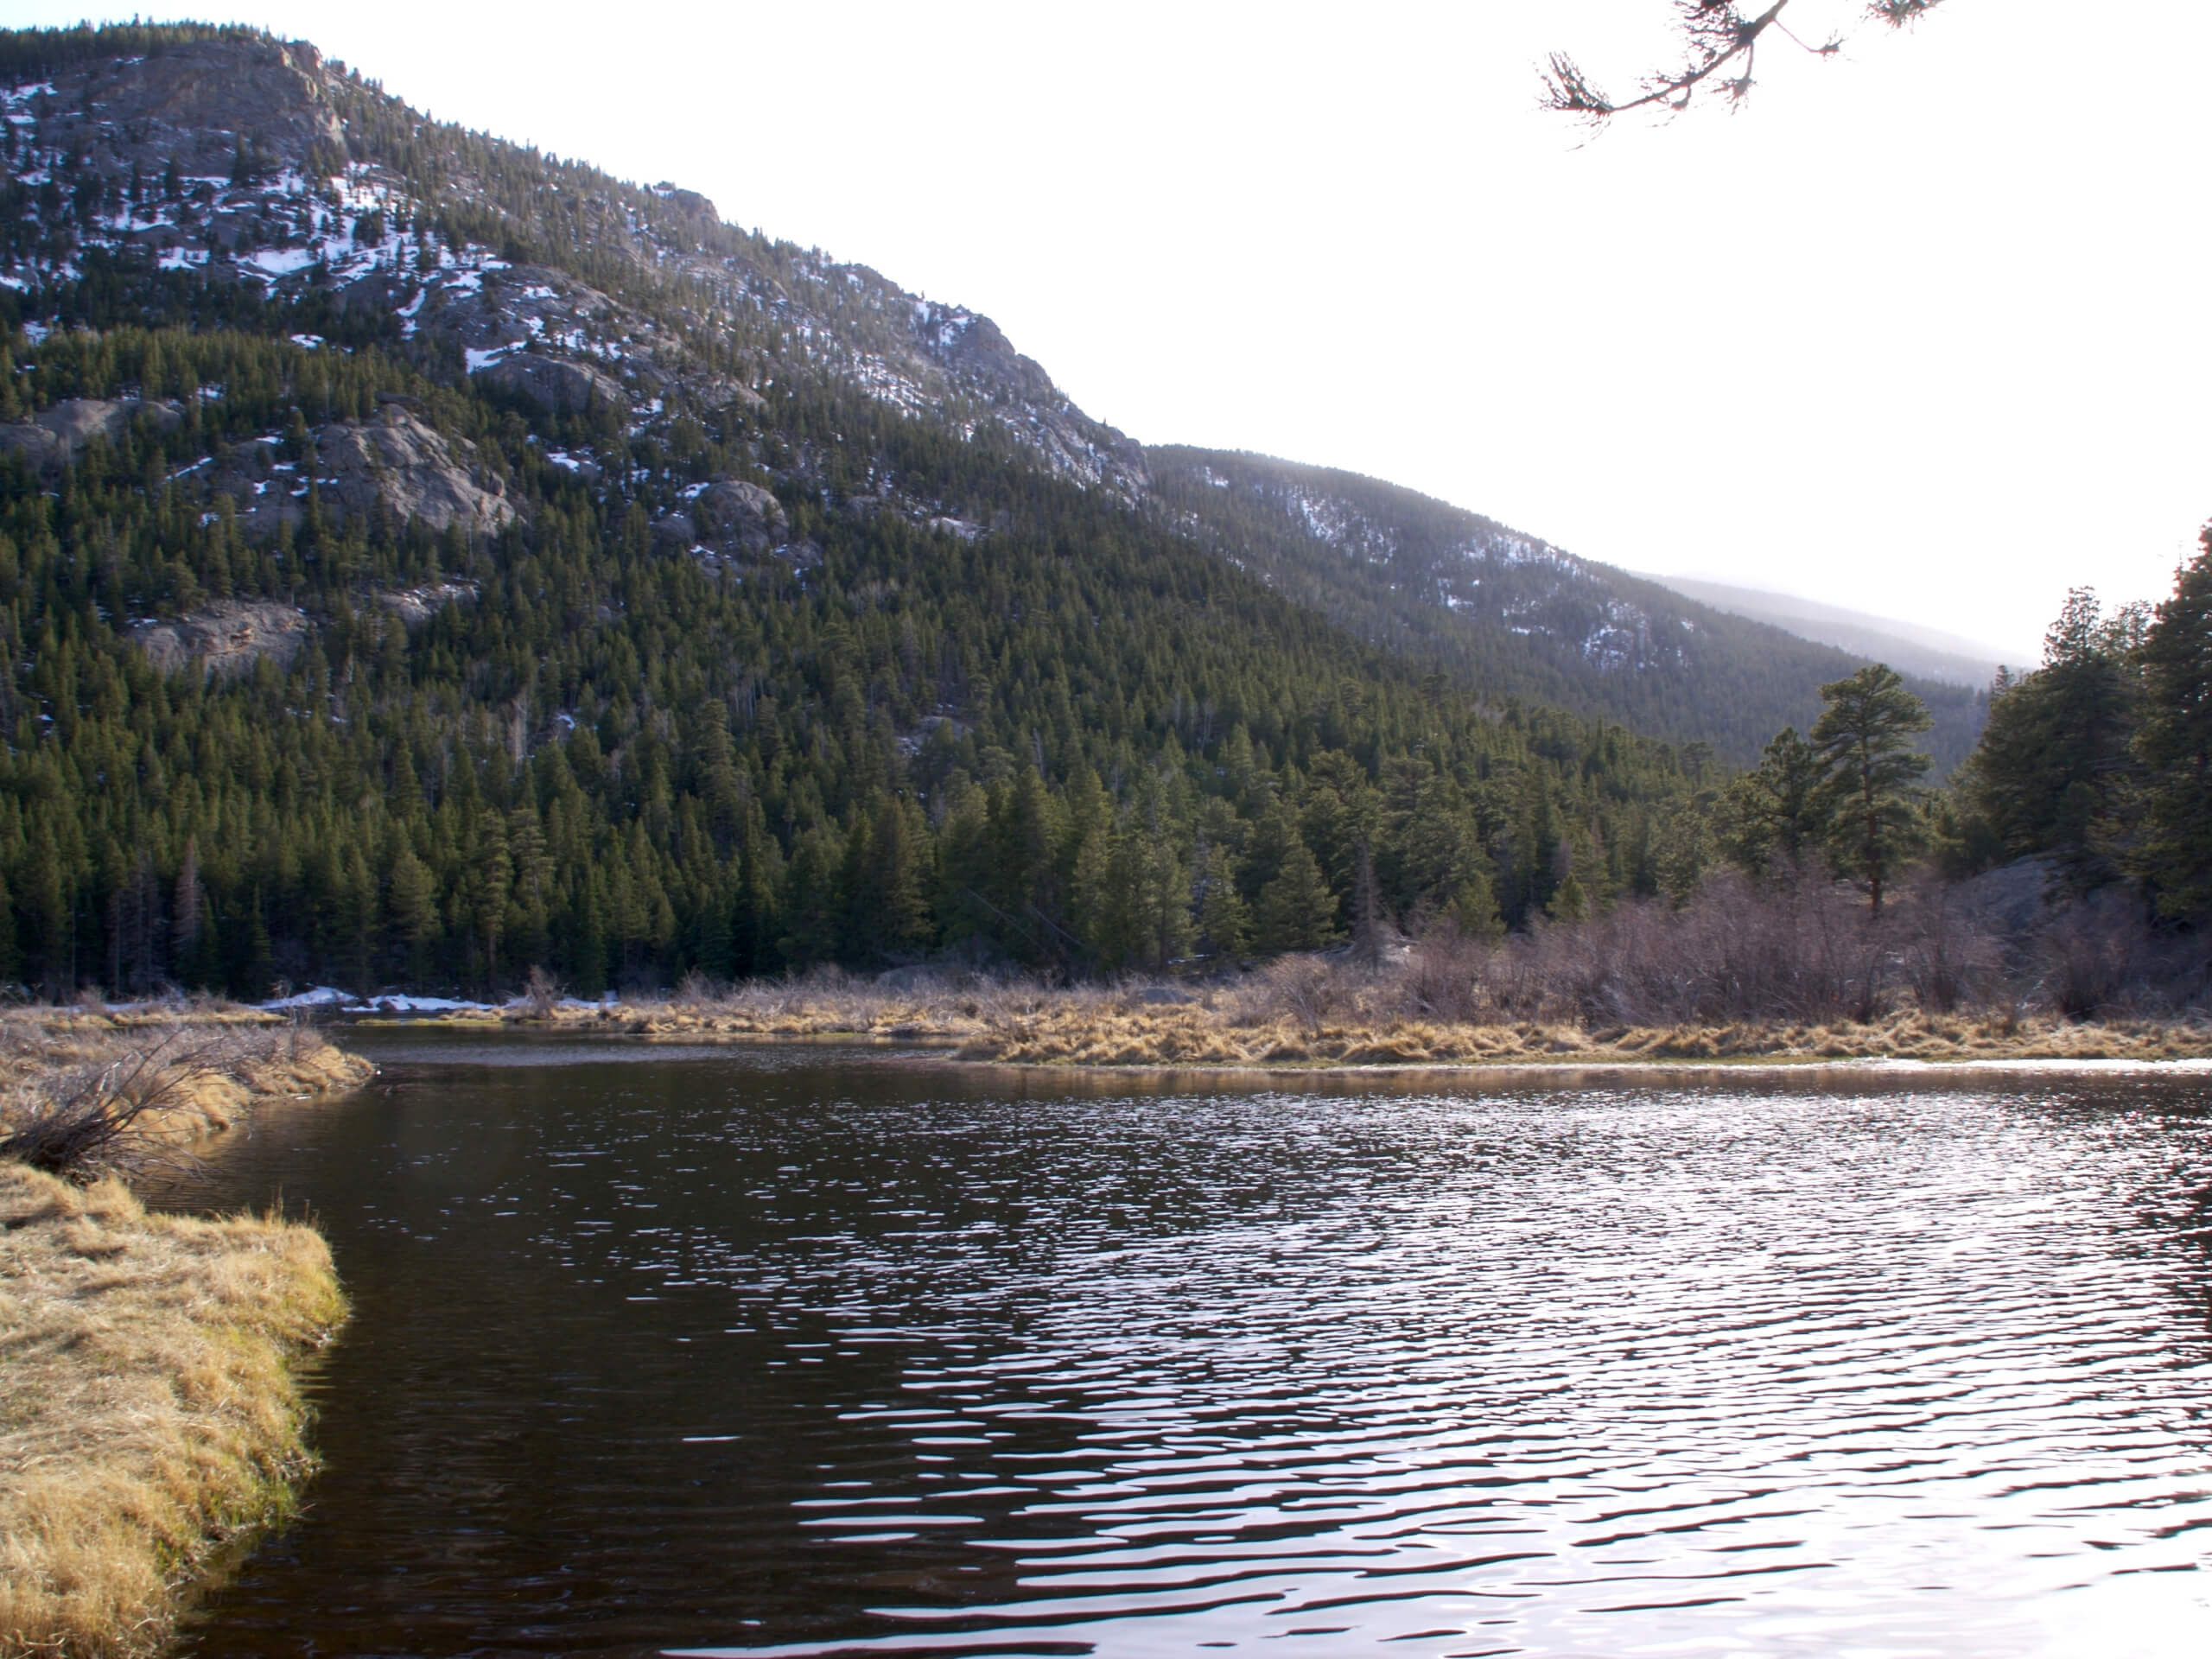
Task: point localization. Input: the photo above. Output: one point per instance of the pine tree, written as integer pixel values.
(412, 905)
(1296, 910)
(1569, 903)
(2055, 765)
(1224, 923)
(2175, 746)
(1870, 771)
(184, 927)
(1366, 910)
(1778, 814)
(1474, 910)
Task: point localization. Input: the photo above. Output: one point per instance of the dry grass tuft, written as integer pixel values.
(148, 1410)
(912, 1008)
(1446, 1002)
(1788, 971)
(1217, 1034)
(84, 1095)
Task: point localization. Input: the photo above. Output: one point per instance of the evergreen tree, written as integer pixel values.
(1569, 903)
(2055, 763)
(2175, 746)
(1870, 775)
(1778, 813)
(1224, 921)
(1296, 910)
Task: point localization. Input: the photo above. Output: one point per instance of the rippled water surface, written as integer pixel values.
(804, 1352)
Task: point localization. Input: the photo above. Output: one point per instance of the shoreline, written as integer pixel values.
(152, 1420)
(1117, 1033)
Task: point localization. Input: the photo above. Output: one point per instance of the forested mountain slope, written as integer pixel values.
(424, 559)
(1513, 614)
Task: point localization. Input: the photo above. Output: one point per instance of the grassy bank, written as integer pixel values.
(87, 1092)
(1306, 1012)
(149, 1404)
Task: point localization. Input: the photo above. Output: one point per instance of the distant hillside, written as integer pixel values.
(1516, 616)
(1906, 646)
(423, 560)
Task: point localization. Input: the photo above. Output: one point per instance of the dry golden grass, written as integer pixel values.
(1295, 1018)
(1199, 1034)
(822, 1005)
(212, 1065)
(149, 1410)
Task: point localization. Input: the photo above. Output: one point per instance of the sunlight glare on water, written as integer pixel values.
(1558, 1373)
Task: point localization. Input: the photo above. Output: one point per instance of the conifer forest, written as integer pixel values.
(424, 560)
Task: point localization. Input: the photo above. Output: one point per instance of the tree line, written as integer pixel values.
(2099, 763)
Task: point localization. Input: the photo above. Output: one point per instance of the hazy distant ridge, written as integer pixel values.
(1906, 646)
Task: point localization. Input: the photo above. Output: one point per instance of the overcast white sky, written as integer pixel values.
(1924, 331)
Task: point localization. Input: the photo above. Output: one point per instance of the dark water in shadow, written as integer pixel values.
(799, 1352)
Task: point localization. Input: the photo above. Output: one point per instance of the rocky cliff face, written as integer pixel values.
(621, 329)
(256, 162)
(58, 434)
(228, 639)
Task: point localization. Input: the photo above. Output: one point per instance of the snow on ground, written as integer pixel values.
(281, 261)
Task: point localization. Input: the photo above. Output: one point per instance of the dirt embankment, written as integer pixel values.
(149, 1402)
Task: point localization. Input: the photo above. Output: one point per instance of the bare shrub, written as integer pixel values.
(1308, 988)
(1444, 978)
(540, 993)
(1950, 957)
(2100, 956)
(132, 1108)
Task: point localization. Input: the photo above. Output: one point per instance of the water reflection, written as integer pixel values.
(786, 1352)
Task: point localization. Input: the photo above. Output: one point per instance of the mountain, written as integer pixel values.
(427, 559)
(1514, 616)
(1929, 653)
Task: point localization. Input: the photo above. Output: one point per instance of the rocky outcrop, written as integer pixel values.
(416, 605)
(414, 471)
(197, 102)
(728, 517)
(57, 434)
(554, 385)
(226, 639)
(396, 459)
(736, 513)
(690, 203)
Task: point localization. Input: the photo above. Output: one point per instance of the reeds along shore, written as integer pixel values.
(1745, 972)
(149, 1405)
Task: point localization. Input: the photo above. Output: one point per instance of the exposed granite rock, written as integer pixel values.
(741, 515)
(195, 102)
(414, 470)
(58, 434)
(719, 392)
(557, 385)
(228, 639)
(728, 517)
(504, 307)
(690, 203)
(417, 606)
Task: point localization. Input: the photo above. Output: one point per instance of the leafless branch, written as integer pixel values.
(1722, 41)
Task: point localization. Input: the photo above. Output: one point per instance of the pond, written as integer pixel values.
(809, 1351)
